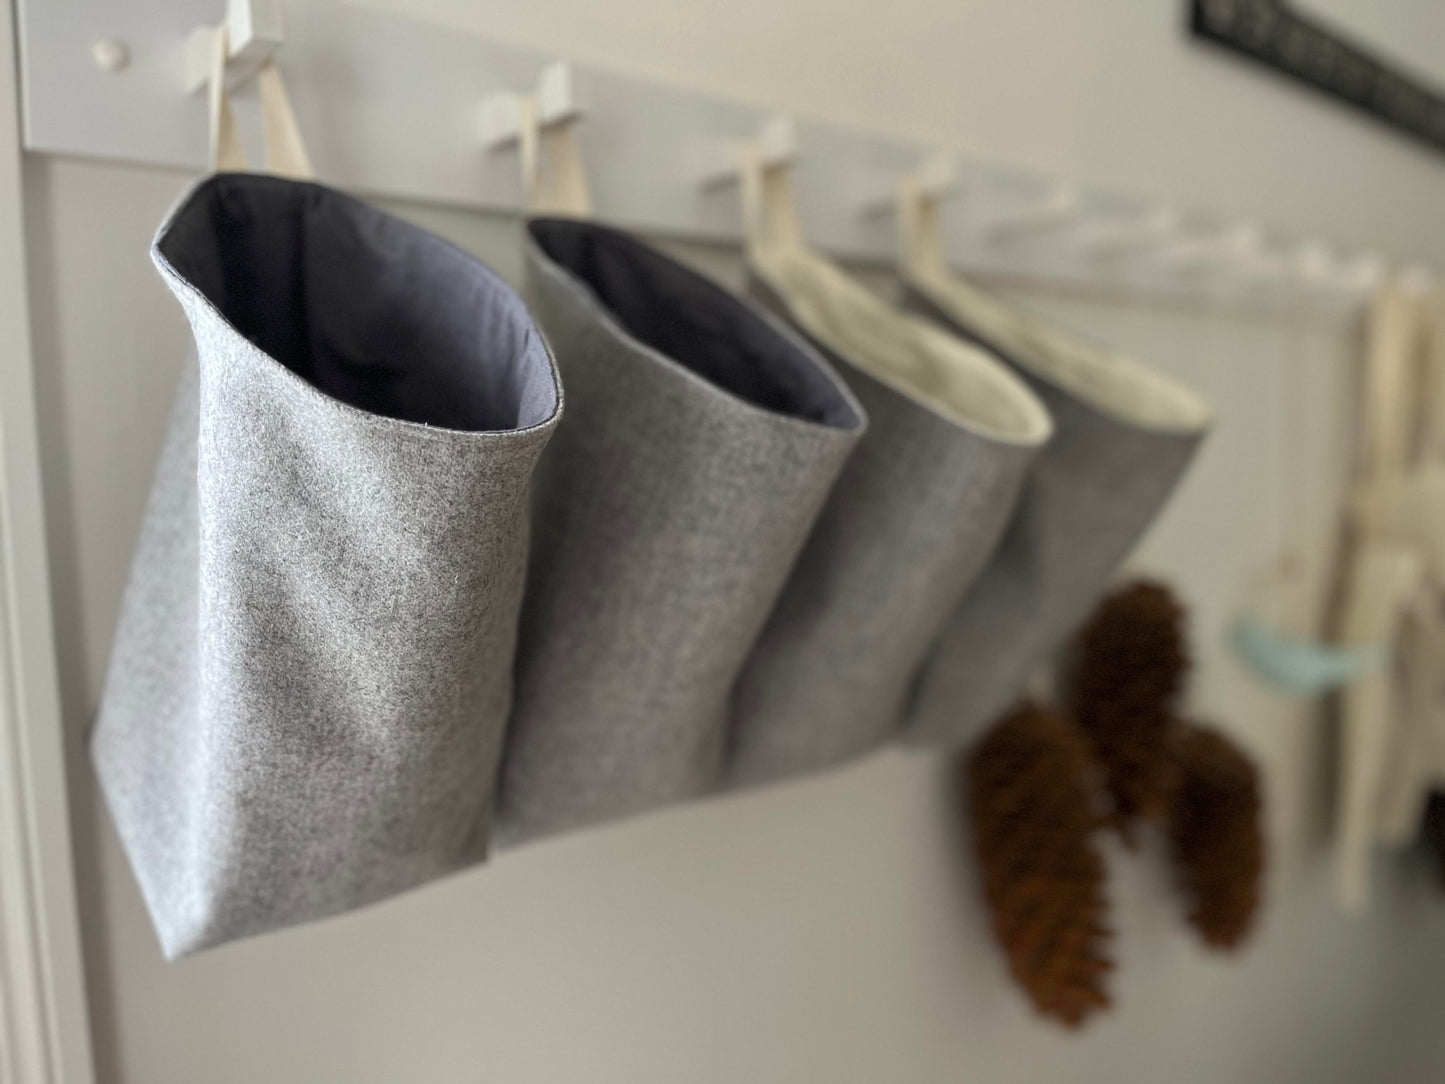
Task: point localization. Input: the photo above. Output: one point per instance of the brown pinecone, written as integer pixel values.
(1028, 783)
(1217, 836)
(1129, 669)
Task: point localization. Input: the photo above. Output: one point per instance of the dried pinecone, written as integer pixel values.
(1217, 836)
(1131, 664)
(1043, 878)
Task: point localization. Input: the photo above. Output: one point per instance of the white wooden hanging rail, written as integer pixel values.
(399, 108)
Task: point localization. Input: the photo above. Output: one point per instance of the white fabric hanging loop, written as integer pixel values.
(553, 179)
(283, 148)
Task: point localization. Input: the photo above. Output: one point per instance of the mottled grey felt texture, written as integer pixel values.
(309, 684)
(700, 441)
(1089, 496)
(914, 516)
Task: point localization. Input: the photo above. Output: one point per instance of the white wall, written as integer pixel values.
(827, 930)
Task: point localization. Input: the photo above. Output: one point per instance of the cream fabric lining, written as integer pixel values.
(962, 382)
(1109, 382)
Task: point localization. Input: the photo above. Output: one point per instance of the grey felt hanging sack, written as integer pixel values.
(1123, 438)
(700, 441)
(913, 518)
(309, 684)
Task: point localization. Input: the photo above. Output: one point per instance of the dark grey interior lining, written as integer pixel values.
(694, 322)
(369, 309)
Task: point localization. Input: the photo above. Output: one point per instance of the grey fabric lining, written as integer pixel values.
(308, 690)
(691, 321)
(700, 441)
(1088, 498)
(428, 334)
(914, 516)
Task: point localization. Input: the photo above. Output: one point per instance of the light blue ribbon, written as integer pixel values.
(1296, 666)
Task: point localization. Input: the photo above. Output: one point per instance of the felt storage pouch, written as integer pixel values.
(1123, 436)
(700, 441)
(309, 685)
(913, 518)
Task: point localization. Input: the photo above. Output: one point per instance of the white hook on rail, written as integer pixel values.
(1317, 267)
(1365, 273)
(937, 179)
(1266, 267)
(254, 32)
(777, 146)
(1239, 247)
(1117, 240)
(940, 178)
(1314, 263)
(1262, 265)
(1418, 278)
(557, 100)
(542, 125)
(1058, 210)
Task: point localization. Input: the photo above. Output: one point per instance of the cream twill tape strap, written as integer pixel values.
(920, 232)
(1389, 385)
(770, 222)
(553, 179)
(1432, 422)
(225, 154)
(284, 149)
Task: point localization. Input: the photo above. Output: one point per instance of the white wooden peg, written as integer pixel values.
(1118, 240)
(1266, 267)
(254, 32)
(558, 101)
(937, 179)
(940, 178)
(1237, 247)
(1191, 253)
(1318, 267)
(1364, 273)
(1315, 263)
(777, 144)
(1059, 210)
(1417, 278)
(1241, 248)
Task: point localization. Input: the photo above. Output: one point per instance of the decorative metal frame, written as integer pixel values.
(1307, 50)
